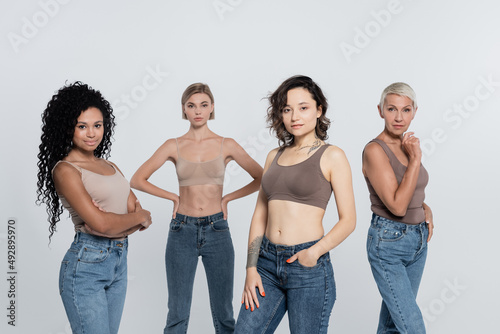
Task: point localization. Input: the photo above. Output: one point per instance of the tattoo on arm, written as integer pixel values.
(253, 252)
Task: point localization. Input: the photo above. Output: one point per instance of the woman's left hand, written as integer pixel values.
(306, 257)
(429, 220)
(224, 206)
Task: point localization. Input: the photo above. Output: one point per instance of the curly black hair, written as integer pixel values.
(58, 126)
(278, 101)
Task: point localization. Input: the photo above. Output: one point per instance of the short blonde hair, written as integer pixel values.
(196, 88)
(401, 89)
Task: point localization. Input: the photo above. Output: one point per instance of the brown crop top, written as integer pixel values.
(302, 183)
(415, 212)
(199, 173)
(111, 192)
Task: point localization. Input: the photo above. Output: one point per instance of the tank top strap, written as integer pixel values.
(317, 156)
(386, 148)
(278, 155)
(78, 168)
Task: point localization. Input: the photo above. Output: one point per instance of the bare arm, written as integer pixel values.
(69, 184)
(238, 154)
(140, 179)
(377, 168)
(256, 234)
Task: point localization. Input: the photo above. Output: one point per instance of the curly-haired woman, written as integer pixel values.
(73, 173)
(288, 265)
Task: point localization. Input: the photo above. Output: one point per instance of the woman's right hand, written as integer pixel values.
(253, 282)
(411, 145)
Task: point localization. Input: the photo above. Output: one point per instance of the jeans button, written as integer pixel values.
(119, 245)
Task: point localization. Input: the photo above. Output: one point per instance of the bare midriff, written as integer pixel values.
(200, 200)
(290, 223)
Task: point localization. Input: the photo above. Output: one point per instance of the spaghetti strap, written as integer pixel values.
(222, 143)
(177, 144)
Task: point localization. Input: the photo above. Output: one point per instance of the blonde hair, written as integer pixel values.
(401, 89)
(196, 88)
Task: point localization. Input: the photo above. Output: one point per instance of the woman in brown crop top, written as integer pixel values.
(199, 224)
(401, 223)
(288, 265)
(76, 135)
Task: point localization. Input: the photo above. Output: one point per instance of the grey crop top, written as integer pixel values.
(415, 212)
(199, 173)
(111, 192)
(302, 183)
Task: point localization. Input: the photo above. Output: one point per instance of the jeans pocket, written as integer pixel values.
(220, 225)
(93, 254)
(317, 265)
(388, 233)
(175, 225)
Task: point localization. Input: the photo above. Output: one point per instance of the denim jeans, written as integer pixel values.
(93, 283)
(307, 293)
(397, 253)
(189, 238)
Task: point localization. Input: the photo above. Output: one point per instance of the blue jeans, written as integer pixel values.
(307, 293)
(189, 238)
(93, 283)
(397, 253)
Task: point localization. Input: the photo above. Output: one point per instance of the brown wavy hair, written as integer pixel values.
(278, 101)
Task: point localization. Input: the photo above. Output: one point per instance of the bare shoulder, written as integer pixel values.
(373, 148)
(334, 153)
(64, 172)
(230, 143)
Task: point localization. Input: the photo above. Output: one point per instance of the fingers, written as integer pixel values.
(250, 297)
(293, 258)
(430, 225)
(97, 206)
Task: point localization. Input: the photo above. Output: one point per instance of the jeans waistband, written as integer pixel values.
(206, 220)
(271, 247)
(378, 221)
(102, 241)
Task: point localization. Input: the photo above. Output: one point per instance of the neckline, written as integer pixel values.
(393, 154)
(298, 163)
(88, 170)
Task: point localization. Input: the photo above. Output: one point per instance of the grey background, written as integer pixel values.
(445, 50)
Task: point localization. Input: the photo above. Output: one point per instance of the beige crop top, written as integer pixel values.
(111, 192)
(302, 183)
(199, 173)
(415, 212)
